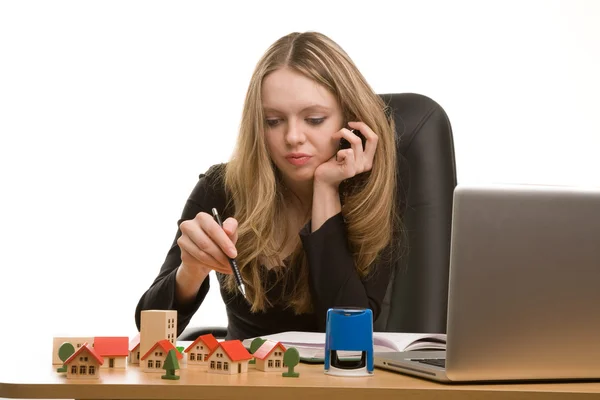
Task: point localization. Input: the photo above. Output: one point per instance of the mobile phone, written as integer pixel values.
(345, 144)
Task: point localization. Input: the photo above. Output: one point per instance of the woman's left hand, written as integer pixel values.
(347, 163)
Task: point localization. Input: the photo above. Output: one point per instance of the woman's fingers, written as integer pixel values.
(371, 137)
(191, 255)
(346, 159)
(200, 244)
(230, 226)
(217, 235)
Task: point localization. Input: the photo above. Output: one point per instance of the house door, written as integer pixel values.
(111, 363)
(239, 368)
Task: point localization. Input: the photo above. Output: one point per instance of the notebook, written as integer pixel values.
(523, 294)
(311, 345)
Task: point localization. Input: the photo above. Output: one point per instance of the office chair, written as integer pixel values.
(417, 296)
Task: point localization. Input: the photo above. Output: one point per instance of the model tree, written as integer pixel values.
(255, 345)
(171, 364)
(291, 358)
(65, 351)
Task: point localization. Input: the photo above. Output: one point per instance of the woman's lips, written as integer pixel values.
(298, 160)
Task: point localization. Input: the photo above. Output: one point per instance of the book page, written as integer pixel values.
(382, 341)
(399, 341)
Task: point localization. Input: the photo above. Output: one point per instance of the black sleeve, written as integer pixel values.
(161, 294)
(333, 279)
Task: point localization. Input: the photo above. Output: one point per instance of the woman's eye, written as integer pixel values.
(273, 122)
(315, 121)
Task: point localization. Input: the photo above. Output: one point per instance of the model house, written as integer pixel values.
(269, 356)
(230, 357)
(84, 363)
(156, 325)
(134, 350)
(199, 350)
(154, 359)
(113, 350)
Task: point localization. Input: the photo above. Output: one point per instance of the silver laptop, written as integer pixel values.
(524, 294)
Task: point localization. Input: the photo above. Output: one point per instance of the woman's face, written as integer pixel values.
(301, 116)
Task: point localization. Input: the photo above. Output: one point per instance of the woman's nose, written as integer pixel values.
(294, 134)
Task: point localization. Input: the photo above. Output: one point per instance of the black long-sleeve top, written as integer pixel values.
(333, 279)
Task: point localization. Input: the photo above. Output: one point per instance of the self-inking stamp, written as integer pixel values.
(349, 329)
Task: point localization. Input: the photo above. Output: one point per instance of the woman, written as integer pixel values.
(312, 225)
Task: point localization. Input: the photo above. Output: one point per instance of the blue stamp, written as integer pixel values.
(349, 330)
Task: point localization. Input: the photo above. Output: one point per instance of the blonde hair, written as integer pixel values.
(253, 183)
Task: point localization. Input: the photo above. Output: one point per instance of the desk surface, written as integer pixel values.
(196, 383)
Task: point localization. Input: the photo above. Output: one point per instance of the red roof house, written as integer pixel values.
(155, 357)
(269, 356)
(230, 357)
(114, 349)
(201, 348)
(84, 363)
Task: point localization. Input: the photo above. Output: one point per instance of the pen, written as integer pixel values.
(234, 267)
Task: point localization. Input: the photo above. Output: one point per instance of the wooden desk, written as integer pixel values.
(196, 383)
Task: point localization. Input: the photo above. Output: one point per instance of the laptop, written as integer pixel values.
(524, 290)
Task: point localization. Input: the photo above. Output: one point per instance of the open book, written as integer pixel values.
(311, 345)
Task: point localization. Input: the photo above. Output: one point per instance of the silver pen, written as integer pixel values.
(232, 262)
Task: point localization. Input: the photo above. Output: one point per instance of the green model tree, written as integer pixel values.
(291, 358)
(255, 345)
(171, 364)
(65, 351)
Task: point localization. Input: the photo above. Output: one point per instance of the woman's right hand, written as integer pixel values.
(205, 245)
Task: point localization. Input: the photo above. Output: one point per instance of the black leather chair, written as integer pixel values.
(416, 300)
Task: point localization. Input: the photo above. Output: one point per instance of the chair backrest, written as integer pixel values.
(417, 297)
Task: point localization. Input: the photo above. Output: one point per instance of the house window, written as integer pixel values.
(81, 359)
(212, 365)
(74, 369)
(226, 366)
(78, 345)
(270, 363)
(157, 363)
(219, 365)
(92, 370)
(150, 364)
(138, 355)
(85, 359)
(192, 357)
(82, 370)
(277, 363)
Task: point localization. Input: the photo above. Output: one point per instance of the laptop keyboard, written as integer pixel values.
(438, 362)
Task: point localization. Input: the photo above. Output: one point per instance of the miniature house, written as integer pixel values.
(113, 350)
(84, 363)
(154, 359)
(134, 350)
(199, 350)
(230, 357)
(269, 356)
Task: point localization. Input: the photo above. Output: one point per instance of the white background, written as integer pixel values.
(109, 110)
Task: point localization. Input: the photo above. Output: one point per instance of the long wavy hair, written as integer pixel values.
(255, 187)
